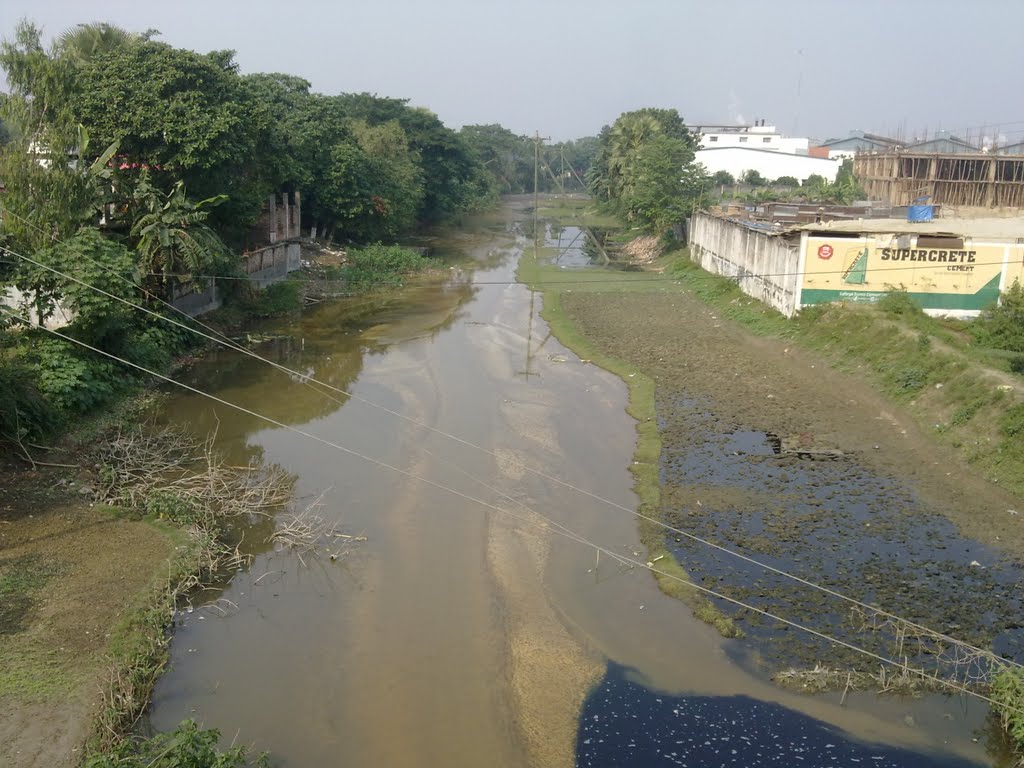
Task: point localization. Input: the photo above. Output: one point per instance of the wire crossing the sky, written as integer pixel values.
(562, 530)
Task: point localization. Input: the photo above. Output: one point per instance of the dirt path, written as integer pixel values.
(68, 575)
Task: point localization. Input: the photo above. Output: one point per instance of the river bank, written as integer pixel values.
(765, 448)
(93, 566)
(464, 629)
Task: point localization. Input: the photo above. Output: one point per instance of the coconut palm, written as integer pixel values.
(84, 42)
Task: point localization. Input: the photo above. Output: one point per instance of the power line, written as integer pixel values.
(626, 278)
(307, 379)
(558, 528)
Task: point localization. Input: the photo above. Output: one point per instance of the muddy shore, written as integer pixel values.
(768, 450)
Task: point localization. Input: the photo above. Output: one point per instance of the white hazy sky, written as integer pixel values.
(567, 67)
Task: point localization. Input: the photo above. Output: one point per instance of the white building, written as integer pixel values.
(757, 136)
(759, 147)
(771, 165)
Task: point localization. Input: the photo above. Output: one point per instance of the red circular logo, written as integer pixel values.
(825, 252)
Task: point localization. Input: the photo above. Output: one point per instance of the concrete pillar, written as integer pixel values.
(286, 216)
(272, 226)
(297, 214)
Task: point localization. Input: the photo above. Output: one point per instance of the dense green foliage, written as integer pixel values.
(645, 170)
(1002, 326)
(187, 746)
(380, 266)
(814, 189)
(133, 169)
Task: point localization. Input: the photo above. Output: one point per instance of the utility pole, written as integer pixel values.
(537, 139)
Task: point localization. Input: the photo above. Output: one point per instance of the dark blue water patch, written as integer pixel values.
(624, 724)
(834, 523)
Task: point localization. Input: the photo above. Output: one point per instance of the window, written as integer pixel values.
(767, 140)
(743, 139)
(712, 138)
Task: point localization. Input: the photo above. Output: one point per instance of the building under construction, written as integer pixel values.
(992, 179)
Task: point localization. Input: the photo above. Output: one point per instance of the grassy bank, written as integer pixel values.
(927, 365)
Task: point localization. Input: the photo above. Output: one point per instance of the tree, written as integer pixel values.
(609, 174)
(789, 182)
(171, 237)
(723, 179)
(754, 178)
(454, 179)
(186, 114)
(663, 183)
(507, 157)
(814, 182)
(84, 42)
(41, 164)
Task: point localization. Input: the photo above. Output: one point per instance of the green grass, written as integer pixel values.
(575, 211)
(926, 364)
(1008, 693)
(20, 579)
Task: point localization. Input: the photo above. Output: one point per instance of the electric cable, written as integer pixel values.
(420, 478)
(307, 379)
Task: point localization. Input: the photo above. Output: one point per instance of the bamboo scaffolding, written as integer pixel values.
(981, 180)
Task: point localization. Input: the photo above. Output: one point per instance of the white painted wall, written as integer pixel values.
(22, 303)
(771, 165)
(764, 265)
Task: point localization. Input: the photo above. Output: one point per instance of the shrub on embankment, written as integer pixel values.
(377, 267)
(1008, 693)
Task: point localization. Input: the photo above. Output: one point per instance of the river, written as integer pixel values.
(462, 633)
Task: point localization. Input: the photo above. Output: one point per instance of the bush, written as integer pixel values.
(1008, 693)
(186, 747)
(1017, 364)
(75, 381)
(909, 378)
(380, 265)
(24, 412)
(1002, 325)
(275, 300)
(1012, 424)
(897, 302)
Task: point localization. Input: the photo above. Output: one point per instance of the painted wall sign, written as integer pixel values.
(963, 279)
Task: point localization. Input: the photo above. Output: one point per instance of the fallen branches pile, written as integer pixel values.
(308, 531)
(172, 474)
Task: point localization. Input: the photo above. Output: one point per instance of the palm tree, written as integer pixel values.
(627, 135)
(172, 240)
(83, 42)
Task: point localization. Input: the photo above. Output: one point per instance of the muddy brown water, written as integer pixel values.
(458, 634)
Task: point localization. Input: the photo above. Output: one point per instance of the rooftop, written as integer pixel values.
(1009, 228)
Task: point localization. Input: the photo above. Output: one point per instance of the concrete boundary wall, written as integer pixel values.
(765, 265)
(264, 267)
(268, 265)
(194, 303)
